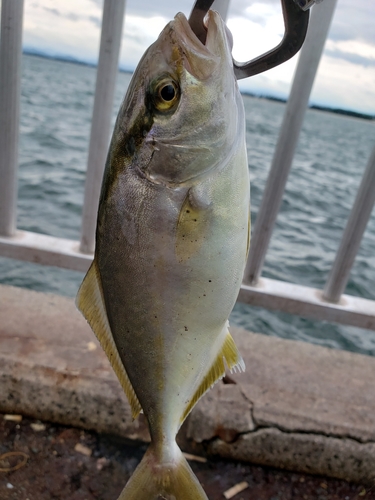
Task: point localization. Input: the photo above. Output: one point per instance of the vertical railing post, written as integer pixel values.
(353, 233)
(221, 6)
(110, 43)
(10, 93)
(309, 58)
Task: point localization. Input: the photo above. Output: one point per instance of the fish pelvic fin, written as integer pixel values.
(91, 304)
(154, 479)
(232, 357)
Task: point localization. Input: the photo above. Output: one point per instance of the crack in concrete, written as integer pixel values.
(259, 427)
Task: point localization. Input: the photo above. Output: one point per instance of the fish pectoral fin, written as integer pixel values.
(91, 304)
(228, 352)
(192, 229)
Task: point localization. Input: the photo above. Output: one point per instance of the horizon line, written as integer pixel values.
(70, 59)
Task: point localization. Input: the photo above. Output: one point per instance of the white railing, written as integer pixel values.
(330, 304)
(10, 87)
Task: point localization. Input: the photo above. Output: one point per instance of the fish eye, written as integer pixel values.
(166, 95)
(168, 92)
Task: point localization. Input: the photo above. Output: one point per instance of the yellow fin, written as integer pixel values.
(91, 304)
(154, 479)
(233, 359)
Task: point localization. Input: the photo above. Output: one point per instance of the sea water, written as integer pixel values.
(56, 110)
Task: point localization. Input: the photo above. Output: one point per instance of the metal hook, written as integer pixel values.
(196, 19)
(296, 18)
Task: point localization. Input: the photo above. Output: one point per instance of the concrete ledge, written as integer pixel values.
(298, 406)
(311, 453)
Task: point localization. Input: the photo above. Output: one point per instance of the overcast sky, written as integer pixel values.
(346, 76)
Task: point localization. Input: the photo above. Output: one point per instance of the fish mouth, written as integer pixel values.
(184, 29)
(214, 52)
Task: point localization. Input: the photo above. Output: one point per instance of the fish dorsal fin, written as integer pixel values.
(91, 304)
(233, 359)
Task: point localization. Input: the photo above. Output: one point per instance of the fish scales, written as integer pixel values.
(172, 242)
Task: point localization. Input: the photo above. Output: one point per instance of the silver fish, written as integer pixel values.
(172, 242)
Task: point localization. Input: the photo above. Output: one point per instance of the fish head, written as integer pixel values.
(179, 119)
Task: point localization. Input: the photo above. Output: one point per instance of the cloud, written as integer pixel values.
(259, 30)
(139, 33)
(152, 8)
(353, 20)
(355, 51)
(96, 20)
(343, 84)
(63, 28)
(51, 11)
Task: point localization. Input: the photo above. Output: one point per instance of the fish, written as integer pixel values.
(172, 240)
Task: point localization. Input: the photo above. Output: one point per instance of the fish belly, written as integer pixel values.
(171, 263)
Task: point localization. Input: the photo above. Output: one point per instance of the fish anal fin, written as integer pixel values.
(233, 360)
(91, 304)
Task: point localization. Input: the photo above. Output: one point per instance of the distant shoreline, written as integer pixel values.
(339, 111)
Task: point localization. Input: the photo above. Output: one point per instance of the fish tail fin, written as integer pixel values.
(154, 480)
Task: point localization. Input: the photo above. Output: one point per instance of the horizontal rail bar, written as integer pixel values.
(110, 43)
(10, 91)
(310, 55)
(353, 234)
(46, 250)
(270, 294)
(309, 302)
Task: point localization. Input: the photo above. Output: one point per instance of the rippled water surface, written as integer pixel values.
(56, 108)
